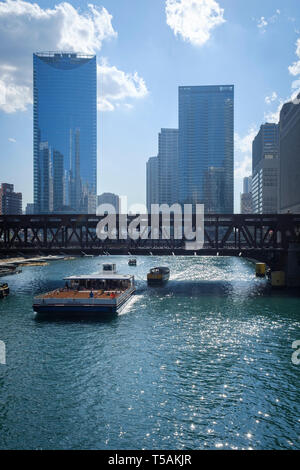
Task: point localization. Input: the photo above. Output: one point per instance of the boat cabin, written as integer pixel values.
(107, 282)
(109, 268)
(160, 270)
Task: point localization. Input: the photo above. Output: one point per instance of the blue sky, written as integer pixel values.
(145, 50)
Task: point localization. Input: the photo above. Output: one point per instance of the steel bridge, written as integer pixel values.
(262, 237)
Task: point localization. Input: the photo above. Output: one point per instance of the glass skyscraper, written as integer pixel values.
(65, 132)
(265, 169)
(206, 147)
(168, 166)
(289, 194)
(152, 182)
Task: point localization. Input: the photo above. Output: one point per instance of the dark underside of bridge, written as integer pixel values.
(261, 237)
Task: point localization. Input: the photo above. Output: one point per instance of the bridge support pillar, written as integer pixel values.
(292, 268)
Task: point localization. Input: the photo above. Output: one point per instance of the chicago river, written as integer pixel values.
(202, 363)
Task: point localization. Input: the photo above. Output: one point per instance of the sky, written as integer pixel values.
(146, 49)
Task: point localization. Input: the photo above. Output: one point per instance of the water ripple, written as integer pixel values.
(203, 363)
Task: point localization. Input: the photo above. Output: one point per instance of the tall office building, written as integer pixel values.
(152, 183)
(246, 196)
(109, 198)
(206, 147)
(65, 126)
(265, 170)
(29, 208)
(247, 185)
(168, 166)
(289, 194)
(10, 202)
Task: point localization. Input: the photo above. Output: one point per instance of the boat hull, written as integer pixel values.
(157, 281)
(85, 308)
(4, 291)
(74, 310)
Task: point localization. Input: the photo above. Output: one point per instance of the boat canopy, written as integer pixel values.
(109, 267)
(162, 270)
(100, 277)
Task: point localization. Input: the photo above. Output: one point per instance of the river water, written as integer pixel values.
(203, 363)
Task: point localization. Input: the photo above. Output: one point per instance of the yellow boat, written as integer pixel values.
(158, 276)
(4, 290)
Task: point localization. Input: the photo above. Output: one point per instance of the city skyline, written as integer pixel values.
(137, 99)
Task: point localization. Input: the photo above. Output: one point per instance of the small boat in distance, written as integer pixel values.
(4, 290)
(158, 276)
(87, 294)
(109, 268)
(9, 269)
(132, 262)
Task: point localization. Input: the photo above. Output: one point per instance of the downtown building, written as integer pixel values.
(168, 166)
(265, 170)
(206, 147)
(65, 126)
(289, 188)
(152, 183)
(246, 196)
(162, 171)
(109, 199)
(10, 202)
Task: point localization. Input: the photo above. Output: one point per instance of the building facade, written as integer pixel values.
(65, 126)
(109, 198)
(152, 182)
(247, 185)
(30, 208)
(265, 170)
(168, 166)
(10, 202)
(246, 196)
(206, 147)
(289, 192)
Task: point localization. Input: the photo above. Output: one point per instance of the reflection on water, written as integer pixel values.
(203, 362)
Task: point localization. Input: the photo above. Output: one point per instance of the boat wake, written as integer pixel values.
(127, 307)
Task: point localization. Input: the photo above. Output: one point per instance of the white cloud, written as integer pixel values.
(296, 84)
(295, 68)
(273, 116)
(271, 98)
(243, 151)
(26, 27)
(262, 23)
(243, 168)
(193, 20)
(244, 144)
(12, 140)
(116, 86)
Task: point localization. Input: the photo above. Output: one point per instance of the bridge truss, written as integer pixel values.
(259, 236)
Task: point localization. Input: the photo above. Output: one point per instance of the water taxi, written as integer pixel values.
(4, 290)
(9, 269)
(132, 262)
(158, 276)
(109, 268)
(90, 294)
